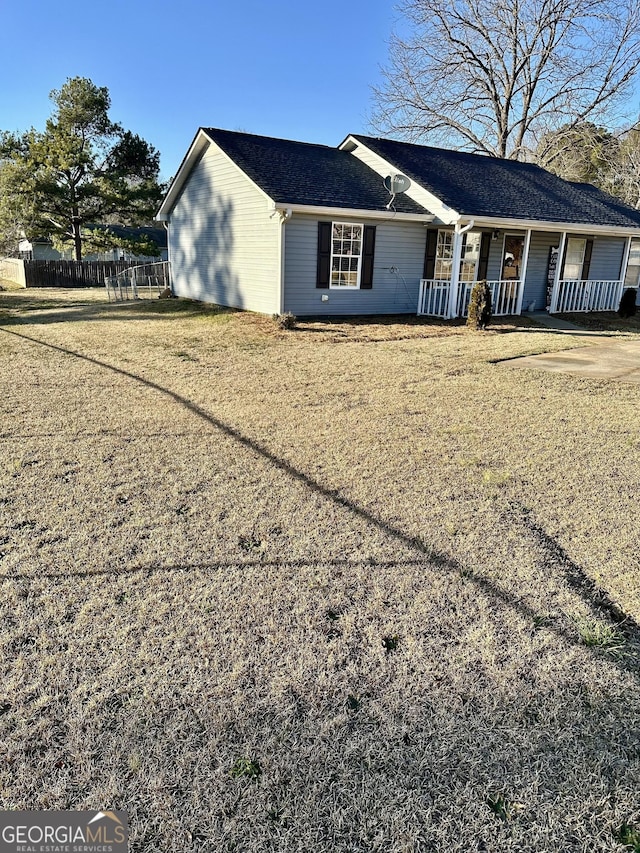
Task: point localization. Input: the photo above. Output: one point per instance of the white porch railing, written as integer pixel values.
(434, 297)
(587, 296)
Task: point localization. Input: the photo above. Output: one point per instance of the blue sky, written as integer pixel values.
(285, 68)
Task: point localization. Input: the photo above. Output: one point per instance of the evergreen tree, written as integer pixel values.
(84, 169)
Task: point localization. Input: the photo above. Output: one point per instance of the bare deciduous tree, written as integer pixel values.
(624, 170)
(580, 152)
(493, 76)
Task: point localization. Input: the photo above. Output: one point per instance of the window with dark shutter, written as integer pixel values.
(346, 253)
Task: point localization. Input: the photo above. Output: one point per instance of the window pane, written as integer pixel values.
(574, 258)
(471, 248)
(467, 271)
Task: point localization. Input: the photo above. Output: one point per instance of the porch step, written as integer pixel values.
(551, 322)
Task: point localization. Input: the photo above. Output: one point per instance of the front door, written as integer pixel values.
(512, 256)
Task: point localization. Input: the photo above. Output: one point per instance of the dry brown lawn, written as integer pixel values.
(353, 587)
(607, 321)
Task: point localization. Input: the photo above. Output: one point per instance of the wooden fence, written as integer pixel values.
(72, 273)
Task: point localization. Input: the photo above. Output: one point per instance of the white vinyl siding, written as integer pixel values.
(606, 259)
(223, 239)
(535, 286)
(397, 270)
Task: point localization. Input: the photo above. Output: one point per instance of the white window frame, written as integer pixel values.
(355, 286)
(580, 263)
(445, 238)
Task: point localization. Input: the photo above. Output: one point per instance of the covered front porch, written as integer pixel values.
(526, 270)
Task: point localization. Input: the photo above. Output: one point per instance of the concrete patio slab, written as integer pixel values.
(619, 361)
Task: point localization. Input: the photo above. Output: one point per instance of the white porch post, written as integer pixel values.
(554, 293)
(452, 307)
(523, 270)
(625, 261)
(458, 237)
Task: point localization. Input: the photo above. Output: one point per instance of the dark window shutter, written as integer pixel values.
(430, 253)
(324, 254)
(368, 252)
(483, 261)
(588, 251)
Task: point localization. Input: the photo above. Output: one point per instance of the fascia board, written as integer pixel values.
(504, 223)
(361, 213)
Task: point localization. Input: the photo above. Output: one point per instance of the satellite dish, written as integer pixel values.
(397, 183)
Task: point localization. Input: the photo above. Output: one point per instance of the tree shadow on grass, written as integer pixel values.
(554, 557)
(33, 313)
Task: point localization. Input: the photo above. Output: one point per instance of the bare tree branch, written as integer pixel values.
(495, 76)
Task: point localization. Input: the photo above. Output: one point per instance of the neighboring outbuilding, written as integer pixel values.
(278, 226)
(120, 236)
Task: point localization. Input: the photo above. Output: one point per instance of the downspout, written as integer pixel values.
(285, 216)
(452, 308)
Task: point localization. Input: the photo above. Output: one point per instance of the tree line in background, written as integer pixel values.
(549, 81)
(81, 174)
(592, 154)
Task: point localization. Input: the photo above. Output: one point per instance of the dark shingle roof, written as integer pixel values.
(476, 185)
(303, 173)
(130, 232)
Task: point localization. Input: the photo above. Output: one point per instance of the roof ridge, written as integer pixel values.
(249, 135)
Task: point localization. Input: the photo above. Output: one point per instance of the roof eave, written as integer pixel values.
(505, 223)
(362, 213)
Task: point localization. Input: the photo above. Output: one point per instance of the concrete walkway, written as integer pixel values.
(552, 322)
(602, 357)
(618, 360)
(549, 322)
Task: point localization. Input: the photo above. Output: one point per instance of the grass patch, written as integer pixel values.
(246, 768)
(629, 836)
(598, 634)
